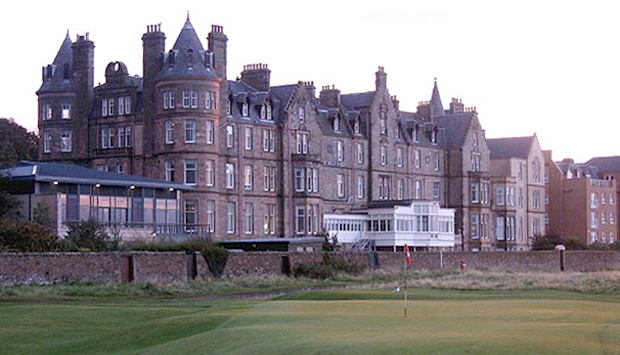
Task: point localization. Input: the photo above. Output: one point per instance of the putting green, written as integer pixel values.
(368, 322)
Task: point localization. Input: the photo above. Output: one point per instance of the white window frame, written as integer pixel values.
(169, 132)
(210, 173)
(300, 219)
(360, 153)
(186, 99)
(230, 136)
(417, 158)
(384, 157)
(190, 131)
(47, 141)
(66, 111)
(399, 157)
(66, 144)
(210, 213)
(231, 219)
(248, 177)
(360, 186)
(230, 176)
(190, 167)
(339, 150)
(210, 127)
(249, 138)
(169, 170)
(248, 211)
(340, 190)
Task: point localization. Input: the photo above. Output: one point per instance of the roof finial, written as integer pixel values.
(68, 33)
(435, 80)
(187, 15)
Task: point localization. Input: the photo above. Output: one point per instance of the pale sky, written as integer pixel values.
(545, 67)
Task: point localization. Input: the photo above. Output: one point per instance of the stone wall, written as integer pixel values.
(47, 268)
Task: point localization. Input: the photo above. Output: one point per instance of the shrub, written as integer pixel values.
(25, 237)
(548, 242)
(341, 264)
(90, 235)
(314, 271)
(216, 257)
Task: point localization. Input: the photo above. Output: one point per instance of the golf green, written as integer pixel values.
(322, 322)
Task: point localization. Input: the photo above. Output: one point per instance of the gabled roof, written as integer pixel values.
(74, 174)
(514, 147)
(456, 128)
(284, 93)
(606, 164)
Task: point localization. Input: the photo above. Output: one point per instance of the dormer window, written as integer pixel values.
(190, 59)
(434, 135)
(415, 133)
(263, 112)
(475, 138)
(356, 126)
(337, 124)
(397, 131)
(244, 109)
(383, 126)
(269, 112)
(229, 106)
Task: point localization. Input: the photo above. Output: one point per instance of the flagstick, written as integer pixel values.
(405, 283)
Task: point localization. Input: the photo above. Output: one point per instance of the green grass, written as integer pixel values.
(355, 321)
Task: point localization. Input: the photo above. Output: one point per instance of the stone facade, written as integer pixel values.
(263, 160)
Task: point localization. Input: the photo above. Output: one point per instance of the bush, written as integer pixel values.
(341, 264)
(91, 235)
(25, 237)
(216, 257)
(314, 271)
(548, 242)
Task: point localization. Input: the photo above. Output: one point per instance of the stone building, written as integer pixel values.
(518, 197)
(263, 161)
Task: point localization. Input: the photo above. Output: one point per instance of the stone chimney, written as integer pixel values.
(330, 96)
(456, 106)
(257, 76)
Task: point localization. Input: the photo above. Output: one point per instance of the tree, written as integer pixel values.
(16, 143)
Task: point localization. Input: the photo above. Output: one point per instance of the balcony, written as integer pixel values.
(112, 152)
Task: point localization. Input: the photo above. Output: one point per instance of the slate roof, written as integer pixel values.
(57, 82)
(584, 169)
(179, 63)
(514, 147)
(74, 174)
(240, 91)
(456, 127)
(363, 99)
(436, 105)
(606, 164)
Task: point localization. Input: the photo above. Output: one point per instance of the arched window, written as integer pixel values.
(336, 123)
(263, 111)
(244, 109)
(269, 113)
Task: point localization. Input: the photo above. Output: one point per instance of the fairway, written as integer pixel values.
(322, 322)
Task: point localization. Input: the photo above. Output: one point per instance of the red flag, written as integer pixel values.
(407, 254)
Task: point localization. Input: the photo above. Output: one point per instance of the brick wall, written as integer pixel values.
(46, 268)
